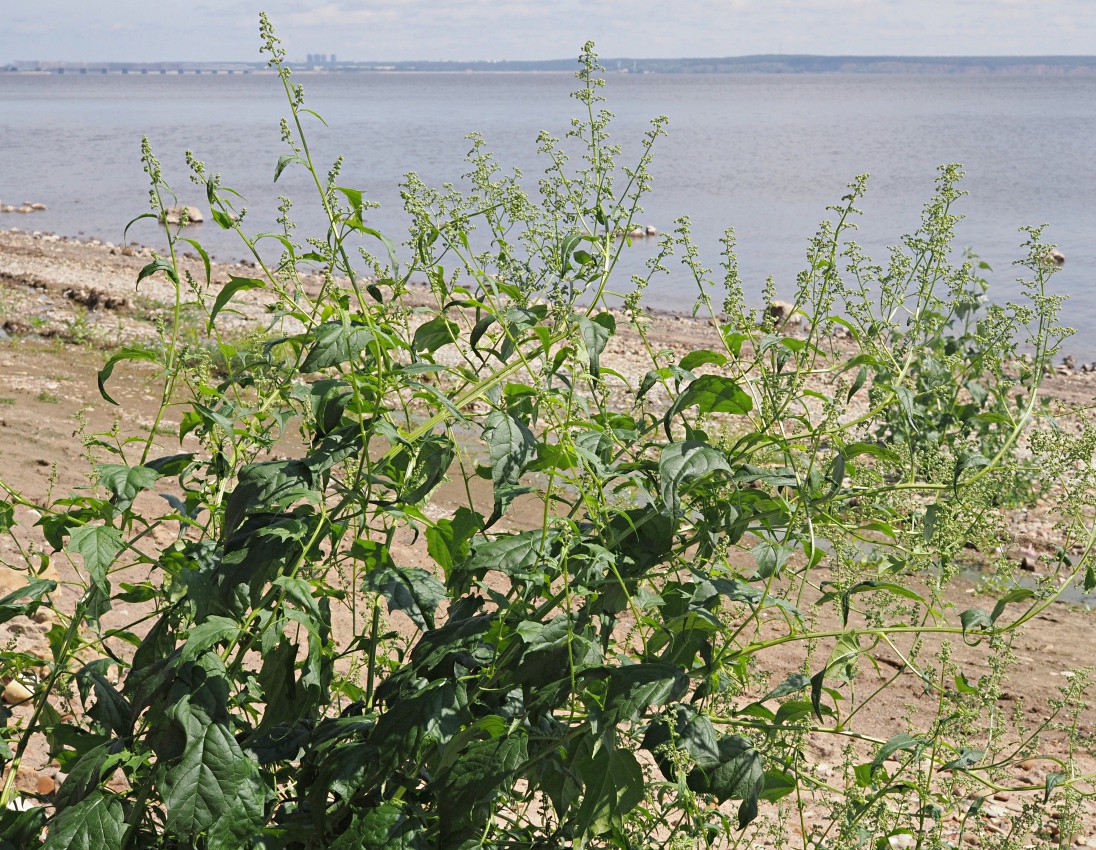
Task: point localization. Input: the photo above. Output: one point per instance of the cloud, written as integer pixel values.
(541, 29)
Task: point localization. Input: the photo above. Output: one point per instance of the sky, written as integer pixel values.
(378, 30)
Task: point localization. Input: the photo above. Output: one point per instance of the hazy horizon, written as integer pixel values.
(501, 30)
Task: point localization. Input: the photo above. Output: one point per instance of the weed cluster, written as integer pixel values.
(601, 674)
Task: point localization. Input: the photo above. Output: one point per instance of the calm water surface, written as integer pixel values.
(764, 154)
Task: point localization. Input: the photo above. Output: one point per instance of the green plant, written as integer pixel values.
(587, 661)
(963, 385)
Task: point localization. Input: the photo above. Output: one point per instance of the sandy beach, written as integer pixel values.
(64, 304)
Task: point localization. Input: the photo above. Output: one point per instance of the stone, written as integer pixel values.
(26, 779)
(782, 312)
(45, 786)
(16, 693)
(12, 579)
(174, 215)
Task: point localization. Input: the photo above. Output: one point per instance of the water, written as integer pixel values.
(765, 154)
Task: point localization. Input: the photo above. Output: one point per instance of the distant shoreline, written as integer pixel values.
(756, 64)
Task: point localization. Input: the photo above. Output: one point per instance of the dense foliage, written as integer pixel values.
(586, 660)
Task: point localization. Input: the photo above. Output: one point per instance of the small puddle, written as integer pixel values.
(1072, 593)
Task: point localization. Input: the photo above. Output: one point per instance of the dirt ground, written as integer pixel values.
(62, 303)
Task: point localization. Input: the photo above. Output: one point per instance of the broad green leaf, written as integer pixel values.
(975, 618)
(483, 771)
(354, 197)
(1053, 780)
(429, 716)
(33, 591)
(732, 339)
(171, 465)
(854, 450)
(447, 541)
(432, 395)
(770, 557)
(865, 587)
(1017, 594)
(905, 398)
(284, 162)
(336, 343)
(160, 264)
(612, 783)
(384, 828)
(115, 359)
(481, 327)
(683, 727)
(736, 591)
(861, 377)
(431, 458)
(203, 253)
(931, 513)
(207, 634)
(793, 684)
(19, 827)
(525, 555)
(271, 484)
(682, 465)
(897, 744)
(714, 394)
(125, 482)
(634, 687)
(566, 248)
(223, 219)
(234, 285)
(334, 448)
(595, 334)
(7, 516)
(111, 709)
(777, 785)
(739, 775)
(98, 544)
(409, 589)
(95, 823)
(432, 335)
(966, 461)
(213, 788)
(965, 760)
(702, 357)
(793, 710)
(512, 446)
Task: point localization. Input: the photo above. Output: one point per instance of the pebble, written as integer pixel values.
(45, 786)
(26, 779)
(16, 692)
(11, 580)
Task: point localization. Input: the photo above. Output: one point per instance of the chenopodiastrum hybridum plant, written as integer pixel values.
(641, 602)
